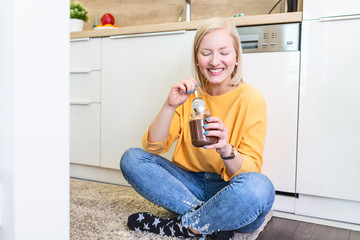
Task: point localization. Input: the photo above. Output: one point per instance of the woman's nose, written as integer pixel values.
(215, 60)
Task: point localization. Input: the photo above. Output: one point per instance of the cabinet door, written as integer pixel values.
(278, 81)
(85, 134)
(137, 74)
(329, 110)
(84, 100)
(327, 8)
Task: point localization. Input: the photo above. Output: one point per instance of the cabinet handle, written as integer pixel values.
(80, 102)
(79, 39)
(147, 34)
(80, 70)
(340, 18)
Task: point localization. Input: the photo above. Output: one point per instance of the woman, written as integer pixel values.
(218, 189)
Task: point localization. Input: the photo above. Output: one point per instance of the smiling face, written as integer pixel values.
(216, 58)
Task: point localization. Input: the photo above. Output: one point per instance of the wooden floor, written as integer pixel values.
(284, 229)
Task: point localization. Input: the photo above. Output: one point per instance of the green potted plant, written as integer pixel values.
(78, 15)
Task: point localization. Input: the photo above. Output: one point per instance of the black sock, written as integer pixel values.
(224, 235)
(171, 227)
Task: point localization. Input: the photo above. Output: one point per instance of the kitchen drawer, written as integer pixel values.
(85, 134)
(85, 54)
(85, 87)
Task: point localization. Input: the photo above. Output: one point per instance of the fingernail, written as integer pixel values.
(205, 126)
(197, 84)
(191, 91)
(185, 92)
(208, 119)
(204, 147)
(206, 133)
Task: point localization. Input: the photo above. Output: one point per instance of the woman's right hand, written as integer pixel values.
(180, 92)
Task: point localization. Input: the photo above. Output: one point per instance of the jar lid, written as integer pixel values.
(198, 104)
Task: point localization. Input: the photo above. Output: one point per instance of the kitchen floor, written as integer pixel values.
(284, 229)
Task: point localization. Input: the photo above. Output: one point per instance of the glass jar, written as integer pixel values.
(197, 122)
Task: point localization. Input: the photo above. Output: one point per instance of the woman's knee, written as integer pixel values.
(263, 187)
(130, 158)
(259, 186)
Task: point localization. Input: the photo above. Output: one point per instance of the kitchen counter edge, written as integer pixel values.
(193, 25)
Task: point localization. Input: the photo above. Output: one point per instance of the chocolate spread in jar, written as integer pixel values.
(197, 130)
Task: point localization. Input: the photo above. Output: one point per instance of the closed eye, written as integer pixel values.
(224, 53)
(206, 53)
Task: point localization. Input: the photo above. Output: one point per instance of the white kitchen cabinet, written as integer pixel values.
(137, 73)
(329, 111)
(276, 75)
(327, 8)
(85, 134)
(281, 96)
(85, 99)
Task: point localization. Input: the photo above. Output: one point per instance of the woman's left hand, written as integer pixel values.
(215, 127)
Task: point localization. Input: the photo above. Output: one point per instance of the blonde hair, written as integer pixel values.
(210, 25)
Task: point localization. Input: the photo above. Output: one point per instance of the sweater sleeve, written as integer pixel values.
(251, 145)
(164, 146)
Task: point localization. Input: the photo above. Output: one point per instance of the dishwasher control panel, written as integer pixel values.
(270, 38)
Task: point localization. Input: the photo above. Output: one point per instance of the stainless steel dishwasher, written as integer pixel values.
(271, 63)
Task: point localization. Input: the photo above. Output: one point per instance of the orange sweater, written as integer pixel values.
(242, 110)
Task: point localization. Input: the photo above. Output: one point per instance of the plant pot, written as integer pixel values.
(76, 25)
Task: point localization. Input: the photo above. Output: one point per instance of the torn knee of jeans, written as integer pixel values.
(193, 225)
(202, 230)
(185, 221)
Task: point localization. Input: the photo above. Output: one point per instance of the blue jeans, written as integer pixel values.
(204, 201)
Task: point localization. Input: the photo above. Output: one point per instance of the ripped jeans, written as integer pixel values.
(204, 201)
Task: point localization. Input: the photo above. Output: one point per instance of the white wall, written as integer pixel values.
(34, 119)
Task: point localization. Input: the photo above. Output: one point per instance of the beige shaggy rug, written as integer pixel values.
(100, 211)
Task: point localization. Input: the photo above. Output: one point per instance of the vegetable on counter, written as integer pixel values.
(107, 21)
